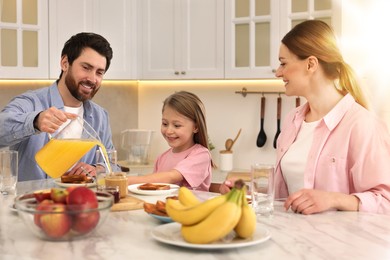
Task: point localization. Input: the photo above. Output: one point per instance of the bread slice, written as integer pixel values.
(76, 179)
(151, 186)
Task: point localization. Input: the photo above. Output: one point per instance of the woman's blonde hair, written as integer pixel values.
(316, 38)
(190, 106)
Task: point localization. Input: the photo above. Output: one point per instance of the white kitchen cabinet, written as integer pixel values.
(114, 20)
(182, 39)
(254, 29)
(23, 39)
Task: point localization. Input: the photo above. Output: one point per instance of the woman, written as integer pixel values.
(332, 152)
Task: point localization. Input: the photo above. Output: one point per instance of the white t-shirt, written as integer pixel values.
(293, 163)
(74, 128)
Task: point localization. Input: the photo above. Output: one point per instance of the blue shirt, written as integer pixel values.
(17, 129)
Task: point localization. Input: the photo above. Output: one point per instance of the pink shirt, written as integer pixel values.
(194, 164)
(350, 154)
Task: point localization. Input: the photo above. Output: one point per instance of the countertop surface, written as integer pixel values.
(127, 235)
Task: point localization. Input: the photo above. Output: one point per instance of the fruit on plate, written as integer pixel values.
(189, 215)
(58, 224)
(215, 218)
(246, 226)
(41, 195)
(217, 224)
(187, 198)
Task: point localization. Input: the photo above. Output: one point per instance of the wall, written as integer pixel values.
(226, 111)
(118, 97)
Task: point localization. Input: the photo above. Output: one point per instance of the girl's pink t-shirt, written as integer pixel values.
(194, 164)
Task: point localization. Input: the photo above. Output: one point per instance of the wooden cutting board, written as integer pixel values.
(245, 176)
(128, 203)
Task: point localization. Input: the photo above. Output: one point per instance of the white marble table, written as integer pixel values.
(126, 235)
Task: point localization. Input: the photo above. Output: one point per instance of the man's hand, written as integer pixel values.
(51, 119)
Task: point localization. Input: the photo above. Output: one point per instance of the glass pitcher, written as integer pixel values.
(67, 146)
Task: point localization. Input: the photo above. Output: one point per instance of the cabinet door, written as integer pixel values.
(297, 11)
(116, 21)
(23, 39)
(111, 19)
(182, 39)
(251, 38)
(66, 18)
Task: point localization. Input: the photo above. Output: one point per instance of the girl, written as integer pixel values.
(188, 162)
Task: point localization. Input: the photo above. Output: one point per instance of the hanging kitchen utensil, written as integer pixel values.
(261, 137)
(297, 102)
(279, 111)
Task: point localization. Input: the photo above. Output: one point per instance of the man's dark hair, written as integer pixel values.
(77, 43)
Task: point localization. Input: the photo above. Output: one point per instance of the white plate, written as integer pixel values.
(65, 185)
(134, 189)
(161, 218)
(170, 234)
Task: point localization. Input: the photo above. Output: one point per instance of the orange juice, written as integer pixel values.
(58, 155)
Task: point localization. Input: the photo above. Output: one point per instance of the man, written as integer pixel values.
(28, 118)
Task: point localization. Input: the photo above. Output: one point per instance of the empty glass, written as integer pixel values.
(8, 171)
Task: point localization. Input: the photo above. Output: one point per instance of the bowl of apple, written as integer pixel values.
(60, 214)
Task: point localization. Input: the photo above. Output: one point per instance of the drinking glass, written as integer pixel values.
(8, 171)
(103, 170)
(262, 189)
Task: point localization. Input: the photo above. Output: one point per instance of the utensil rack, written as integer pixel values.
(245, 92)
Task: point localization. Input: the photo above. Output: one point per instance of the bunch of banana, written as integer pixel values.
(246, 226)
(190, 215)
(211, 220)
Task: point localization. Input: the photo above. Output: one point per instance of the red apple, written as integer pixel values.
(57, 223)
(85, 222)
(41, 195)
(44, 205)
(82, 198)
(59, 195)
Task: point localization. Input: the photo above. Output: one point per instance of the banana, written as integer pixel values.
(217, 224)
(187, 198)
(247, 224)
(189, 215)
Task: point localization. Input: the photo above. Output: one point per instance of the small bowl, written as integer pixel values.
(79, 223)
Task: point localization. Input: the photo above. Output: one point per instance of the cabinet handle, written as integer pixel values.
(176, 73)
(273, 70)
(183, 73)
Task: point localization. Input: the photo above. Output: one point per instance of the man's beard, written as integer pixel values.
(73, 88)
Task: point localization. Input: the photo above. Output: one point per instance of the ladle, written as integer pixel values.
(279, 111)
(229, 142)
(262, 137)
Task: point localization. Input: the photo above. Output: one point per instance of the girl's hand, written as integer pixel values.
(226, 186)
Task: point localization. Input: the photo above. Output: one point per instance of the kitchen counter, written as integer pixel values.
(126, 235)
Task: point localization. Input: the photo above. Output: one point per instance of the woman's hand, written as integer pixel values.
(309, 201)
